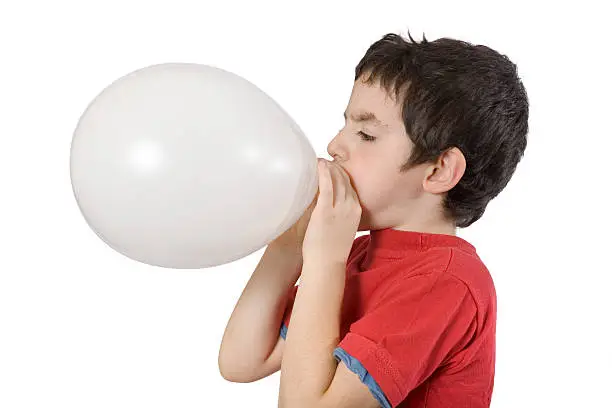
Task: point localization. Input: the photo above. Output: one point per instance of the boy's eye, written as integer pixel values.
(366, 137)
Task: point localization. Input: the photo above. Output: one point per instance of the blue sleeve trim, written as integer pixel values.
(355, 366)
(283, 331)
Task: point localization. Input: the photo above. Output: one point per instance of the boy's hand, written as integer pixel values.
(335, 218)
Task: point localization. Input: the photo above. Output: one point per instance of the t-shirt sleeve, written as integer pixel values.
(419, 323)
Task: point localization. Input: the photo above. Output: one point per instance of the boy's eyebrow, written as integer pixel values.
(367, 117)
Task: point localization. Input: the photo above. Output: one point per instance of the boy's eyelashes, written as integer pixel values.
(365, 137)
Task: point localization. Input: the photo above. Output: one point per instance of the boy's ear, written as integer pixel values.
(446, 172)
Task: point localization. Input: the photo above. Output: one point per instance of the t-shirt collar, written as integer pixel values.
(390, 242)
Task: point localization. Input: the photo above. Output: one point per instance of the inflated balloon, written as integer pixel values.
(189, 166)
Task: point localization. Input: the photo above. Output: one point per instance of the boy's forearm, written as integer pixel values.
(252, 330)
(308, 366)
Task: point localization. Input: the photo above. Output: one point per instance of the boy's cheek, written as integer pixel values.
(369, 190)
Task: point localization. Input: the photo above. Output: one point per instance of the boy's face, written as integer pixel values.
(386, 195)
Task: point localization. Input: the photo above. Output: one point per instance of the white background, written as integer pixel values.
(82, 326)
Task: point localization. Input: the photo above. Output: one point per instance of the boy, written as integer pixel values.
(404, 316)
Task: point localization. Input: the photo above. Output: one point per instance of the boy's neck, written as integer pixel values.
(441, 227)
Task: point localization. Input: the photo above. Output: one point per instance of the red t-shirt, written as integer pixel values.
(417, 320)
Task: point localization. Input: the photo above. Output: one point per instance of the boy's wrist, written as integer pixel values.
(286, 258)
(286, 251)
(320, 263)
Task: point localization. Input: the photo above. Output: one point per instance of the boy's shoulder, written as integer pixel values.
(451, 266)
(464, 275)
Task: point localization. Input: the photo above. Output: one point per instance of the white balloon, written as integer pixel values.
(189, 166)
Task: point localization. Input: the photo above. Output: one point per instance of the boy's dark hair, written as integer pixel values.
(455, 94)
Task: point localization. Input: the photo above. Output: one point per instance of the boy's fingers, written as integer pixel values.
(349, 187)
(350, 191)
(325, 184)
(339, 186)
